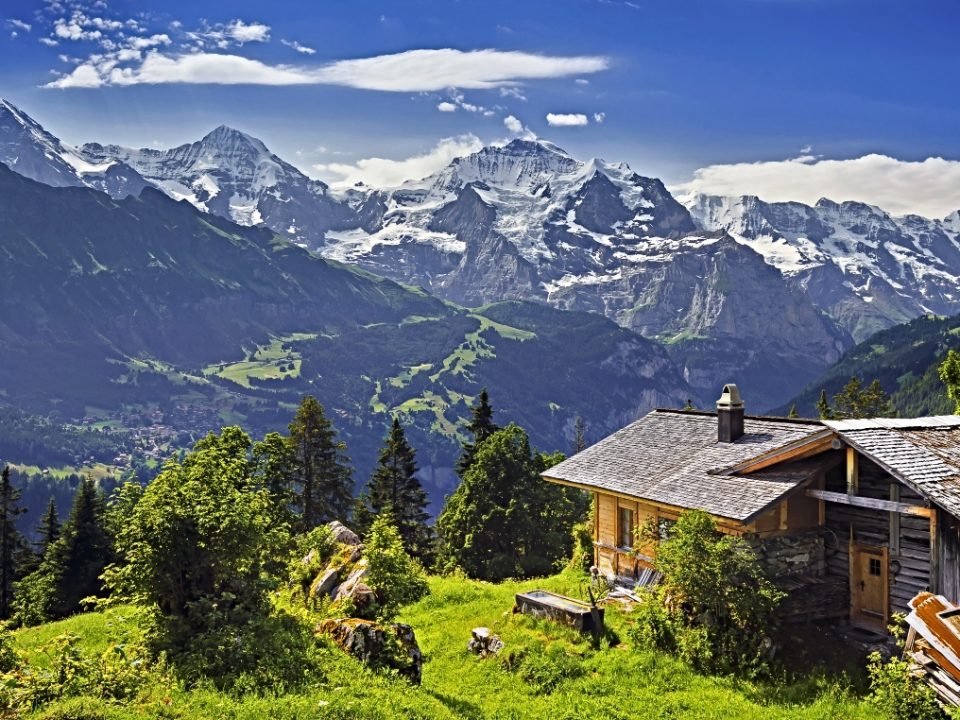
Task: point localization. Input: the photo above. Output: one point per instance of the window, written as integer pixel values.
(875, 567)
(626, 527)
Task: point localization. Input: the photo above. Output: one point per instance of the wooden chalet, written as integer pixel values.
(851, 517)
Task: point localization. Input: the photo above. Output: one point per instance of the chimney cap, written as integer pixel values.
(730, 398)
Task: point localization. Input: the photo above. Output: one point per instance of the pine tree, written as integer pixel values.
(481, 426)
(13, 547)
(325, 478)
(793, 412)
(49, 529)
(856, 401)
(394, 488)
(579, 435)
(275, 459)
(71, 569)
(823, 406)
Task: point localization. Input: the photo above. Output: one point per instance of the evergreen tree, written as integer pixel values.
(71, 569)
(481, 426)
(856, 401)
(362, 517)
(950, 374)
(823, 406)
(579, 435)
(13, 547)
(793, 412)
(504, 520)
(394, 488)
(324, 475)
(275, 459)
(49, 529)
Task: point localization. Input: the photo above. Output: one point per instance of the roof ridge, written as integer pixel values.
(713, 413)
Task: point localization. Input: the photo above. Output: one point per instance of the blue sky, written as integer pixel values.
(670, 87)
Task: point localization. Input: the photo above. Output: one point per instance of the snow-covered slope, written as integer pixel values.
(234, 175)
(862, 266)
(27, 148)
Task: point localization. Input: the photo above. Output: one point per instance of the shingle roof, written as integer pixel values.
(668, 455)
(924, 452)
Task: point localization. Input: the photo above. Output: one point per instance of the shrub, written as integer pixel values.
(714, 607)
(898, 694)
(395, 577)
(582, 557)
(543, 667)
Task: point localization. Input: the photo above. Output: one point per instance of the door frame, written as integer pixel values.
(857, 617)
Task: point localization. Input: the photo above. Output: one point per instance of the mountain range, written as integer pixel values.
(767, 294)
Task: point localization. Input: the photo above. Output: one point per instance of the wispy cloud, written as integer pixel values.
(19, 24)
(567, 119)
(410, 71)
(384, 172)
(930, 187)
(302, 49)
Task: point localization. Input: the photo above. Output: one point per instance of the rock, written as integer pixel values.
(484, 643)
(345, 588)
(324, 582)
(342, 534)
(309, 557)
(392, 646)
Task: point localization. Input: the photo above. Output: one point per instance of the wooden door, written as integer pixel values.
(868, 587)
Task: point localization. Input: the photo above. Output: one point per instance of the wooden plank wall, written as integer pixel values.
(909, 571)
(948, 528)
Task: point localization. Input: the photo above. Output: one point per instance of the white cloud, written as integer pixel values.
(582, 81)
(302, 49)
(26, 27)
(566, 119)
(141, 43)
(247, 32)
(447, 107)
(599, 117)
(513, 124)
(73, 29)
(930, 187)
(513, 92)
(384, 172)
(411, 71)
(49, 42)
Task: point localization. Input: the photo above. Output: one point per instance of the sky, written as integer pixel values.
(785, 99)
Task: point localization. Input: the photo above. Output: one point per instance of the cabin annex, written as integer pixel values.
(852, 517)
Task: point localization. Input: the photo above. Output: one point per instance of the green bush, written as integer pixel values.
(898, 694)
(395, 577)
(714, 607)
(542, 667)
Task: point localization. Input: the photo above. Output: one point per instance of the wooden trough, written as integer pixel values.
(567, 610)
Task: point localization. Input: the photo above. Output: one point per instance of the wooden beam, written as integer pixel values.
(934, 553)
(799, 451)
(872, 503)
(853, 471)
(895, 521)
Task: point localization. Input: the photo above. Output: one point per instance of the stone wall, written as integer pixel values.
(786, 555)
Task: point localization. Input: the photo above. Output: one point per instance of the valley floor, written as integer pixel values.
(545, 671)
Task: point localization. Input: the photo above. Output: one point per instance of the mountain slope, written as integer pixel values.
(863, 267)
(904, 358)
(146, 306)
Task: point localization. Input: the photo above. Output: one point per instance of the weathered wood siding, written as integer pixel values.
(948, 528)
(907, 536)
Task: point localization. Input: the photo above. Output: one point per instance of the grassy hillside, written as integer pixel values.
(904, 358)
(545, 671)
(148, 317)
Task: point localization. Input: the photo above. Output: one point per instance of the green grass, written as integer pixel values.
(266, 362)
(555, 673)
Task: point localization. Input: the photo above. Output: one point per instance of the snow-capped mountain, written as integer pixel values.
(863, 267)
(234, 175)
(27, 148)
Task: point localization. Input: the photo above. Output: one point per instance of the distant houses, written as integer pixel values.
(852, 517)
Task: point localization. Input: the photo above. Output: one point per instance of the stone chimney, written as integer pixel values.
(729, 415)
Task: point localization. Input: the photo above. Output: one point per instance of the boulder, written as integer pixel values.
(325, 582)
(342, 534)
(484, 643)
(390, 646)
(345, 588)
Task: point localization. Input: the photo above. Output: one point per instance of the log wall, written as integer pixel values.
(907, 536)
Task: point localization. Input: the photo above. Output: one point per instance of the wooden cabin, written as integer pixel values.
(852, 517)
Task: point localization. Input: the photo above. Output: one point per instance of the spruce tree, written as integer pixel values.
(71, 569)
(823, 406)
(394, 488)
(324, 475)
(13, 547)
(275, 460)
(49, 529)
(950, 375)
(481, 426)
